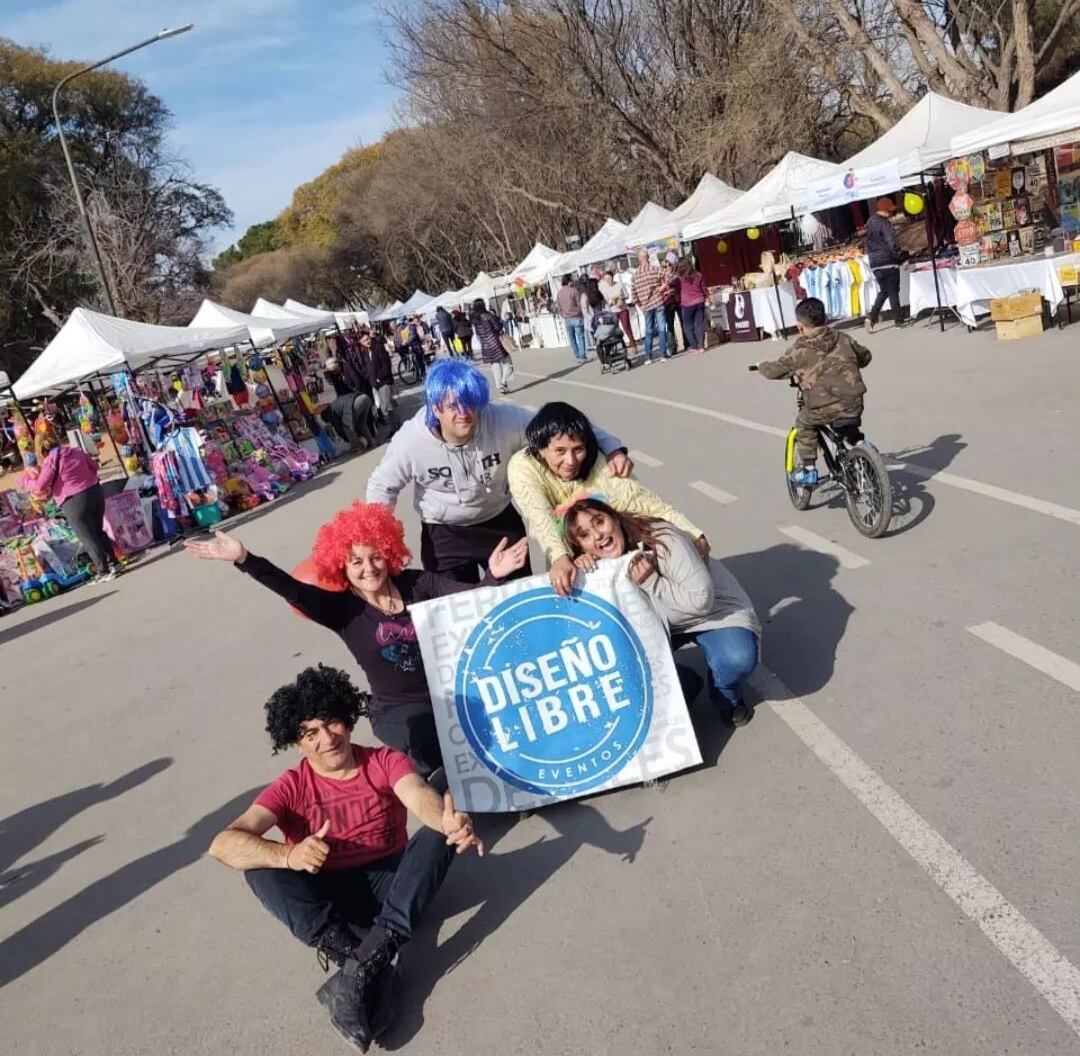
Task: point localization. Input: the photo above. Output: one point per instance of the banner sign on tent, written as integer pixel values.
(853, 185)
(539, 698)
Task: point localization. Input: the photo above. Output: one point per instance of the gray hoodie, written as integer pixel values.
(458, 485)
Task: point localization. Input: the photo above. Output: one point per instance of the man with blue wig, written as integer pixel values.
(455, 452)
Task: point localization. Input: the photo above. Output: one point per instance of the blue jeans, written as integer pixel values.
(731, 653)
(575, 330)
(655, 322)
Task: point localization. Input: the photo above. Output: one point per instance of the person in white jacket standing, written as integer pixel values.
(454, 452)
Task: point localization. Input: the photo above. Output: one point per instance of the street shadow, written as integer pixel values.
(35, 943)
(50, 614)
(803, 616)
(912, 502)
(551, 377)
(497, 884)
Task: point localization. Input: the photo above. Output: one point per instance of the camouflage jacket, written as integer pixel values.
(825, 365)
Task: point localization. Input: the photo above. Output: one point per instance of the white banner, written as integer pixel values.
(853, 185)
(539, 698)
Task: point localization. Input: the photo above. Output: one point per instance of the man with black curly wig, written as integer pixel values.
(347, 879)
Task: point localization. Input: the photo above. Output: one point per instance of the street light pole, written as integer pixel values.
(83, 216)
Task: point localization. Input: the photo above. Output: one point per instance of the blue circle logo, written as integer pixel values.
(554, 694)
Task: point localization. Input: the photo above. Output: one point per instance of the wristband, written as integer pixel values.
(288, 851)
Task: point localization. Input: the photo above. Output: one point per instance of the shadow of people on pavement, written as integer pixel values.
(803, 616)
(39, 940)
(50, 614)
(912, 501)
(22, 832)
(554, 376)
(498, 884)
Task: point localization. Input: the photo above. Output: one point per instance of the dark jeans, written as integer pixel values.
(448, 341)
(409, 728)
(693, 325)
(417, 353)
(392, 892)
(889, 281)
(670, 311)
(461, 551)
(85, 513)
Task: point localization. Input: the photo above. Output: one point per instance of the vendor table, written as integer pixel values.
(970, 290)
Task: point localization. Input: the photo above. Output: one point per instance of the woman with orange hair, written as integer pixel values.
(366, 591)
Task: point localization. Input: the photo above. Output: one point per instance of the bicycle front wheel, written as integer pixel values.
(799, 494)
(406, 372)
(868, 490)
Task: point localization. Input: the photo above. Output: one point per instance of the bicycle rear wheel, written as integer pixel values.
(406, 371)
(868, 490)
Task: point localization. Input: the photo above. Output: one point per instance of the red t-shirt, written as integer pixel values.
(367, 821)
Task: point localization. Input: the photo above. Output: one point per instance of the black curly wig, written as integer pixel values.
(321, 692)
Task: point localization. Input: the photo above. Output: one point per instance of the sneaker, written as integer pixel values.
(647, 363)
(806, 476)
(105, 577)
(869, 324)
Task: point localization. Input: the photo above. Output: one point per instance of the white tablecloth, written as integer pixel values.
(970, 290)
(923, 295)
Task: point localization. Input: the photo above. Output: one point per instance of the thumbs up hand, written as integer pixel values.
(309, 856)
(457, 827)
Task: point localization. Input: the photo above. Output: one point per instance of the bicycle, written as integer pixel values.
(854, 463)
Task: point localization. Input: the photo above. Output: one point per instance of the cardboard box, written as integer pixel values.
(1017, 329)
(1022, 306)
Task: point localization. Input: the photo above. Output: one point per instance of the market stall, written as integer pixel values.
(345, 317)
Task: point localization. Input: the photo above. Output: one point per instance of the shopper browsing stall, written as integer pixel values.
(360, 557)
(70, 476)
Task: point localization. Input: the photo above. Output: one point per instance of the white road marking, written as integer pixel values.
(1057, 667)
(812, 541)
(1027, 949)
(529, 407)
(646, 460)
(782, 604)
(717, 494)
(976, 487)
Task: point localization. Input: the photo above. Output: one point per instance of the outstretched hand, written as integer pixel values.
(457, 827)
(222, 547)
(562, 574)
(506, 559)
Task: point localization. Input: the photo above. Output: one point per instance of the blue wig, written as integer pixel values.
(455, 380)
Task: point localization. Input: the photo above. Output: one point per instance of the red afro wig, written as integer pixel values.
(367, 523)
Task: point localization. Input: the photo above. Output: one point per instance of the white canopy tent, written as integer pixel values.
(483, 286)
(771, 199)
(261, 330)
(344, 317)
(710, 196)
(920, 140)
(268, 310)
(650, 216)
(607, 243)
(390, 311)
(414, 303)
(536, 265)
(1050, 121)
(91, 343)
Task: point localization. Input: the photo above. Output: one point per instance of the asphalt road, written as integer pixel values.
(884, 861)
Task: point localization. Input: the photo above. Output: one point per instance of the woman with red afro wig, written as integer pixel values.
(362, 591)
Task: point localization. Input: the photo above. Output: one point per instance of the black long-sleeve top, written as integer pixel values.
(384, 646)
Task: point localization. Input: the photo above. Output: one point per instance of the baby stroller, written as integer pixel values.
(611, 347)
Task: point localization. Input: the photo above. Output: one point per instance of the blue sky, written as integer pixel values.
(265, 94)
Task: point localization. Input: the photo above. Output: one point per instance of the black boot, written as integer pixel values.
(351, 994)
(337, 942)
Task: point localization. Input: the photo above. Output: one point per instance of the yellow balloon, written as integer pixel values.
(753, 234)
(913, 203)
(721, 246)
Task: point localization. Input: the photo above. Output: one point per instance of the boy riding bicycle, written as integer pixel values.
(825, 365)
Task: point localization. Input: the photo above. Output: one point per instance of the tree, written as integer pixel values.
(150, 216)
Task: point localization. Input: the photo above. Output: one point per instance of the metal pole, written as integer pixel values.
(933, 254)
(105, 425)
(277, 400)
(779, 305)
(83, 216)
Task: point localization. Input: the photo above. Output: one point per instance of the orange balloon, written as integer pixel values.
(306, 572)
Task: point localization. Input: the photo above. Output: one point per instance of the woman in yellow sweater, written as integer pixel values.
(562, 462)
